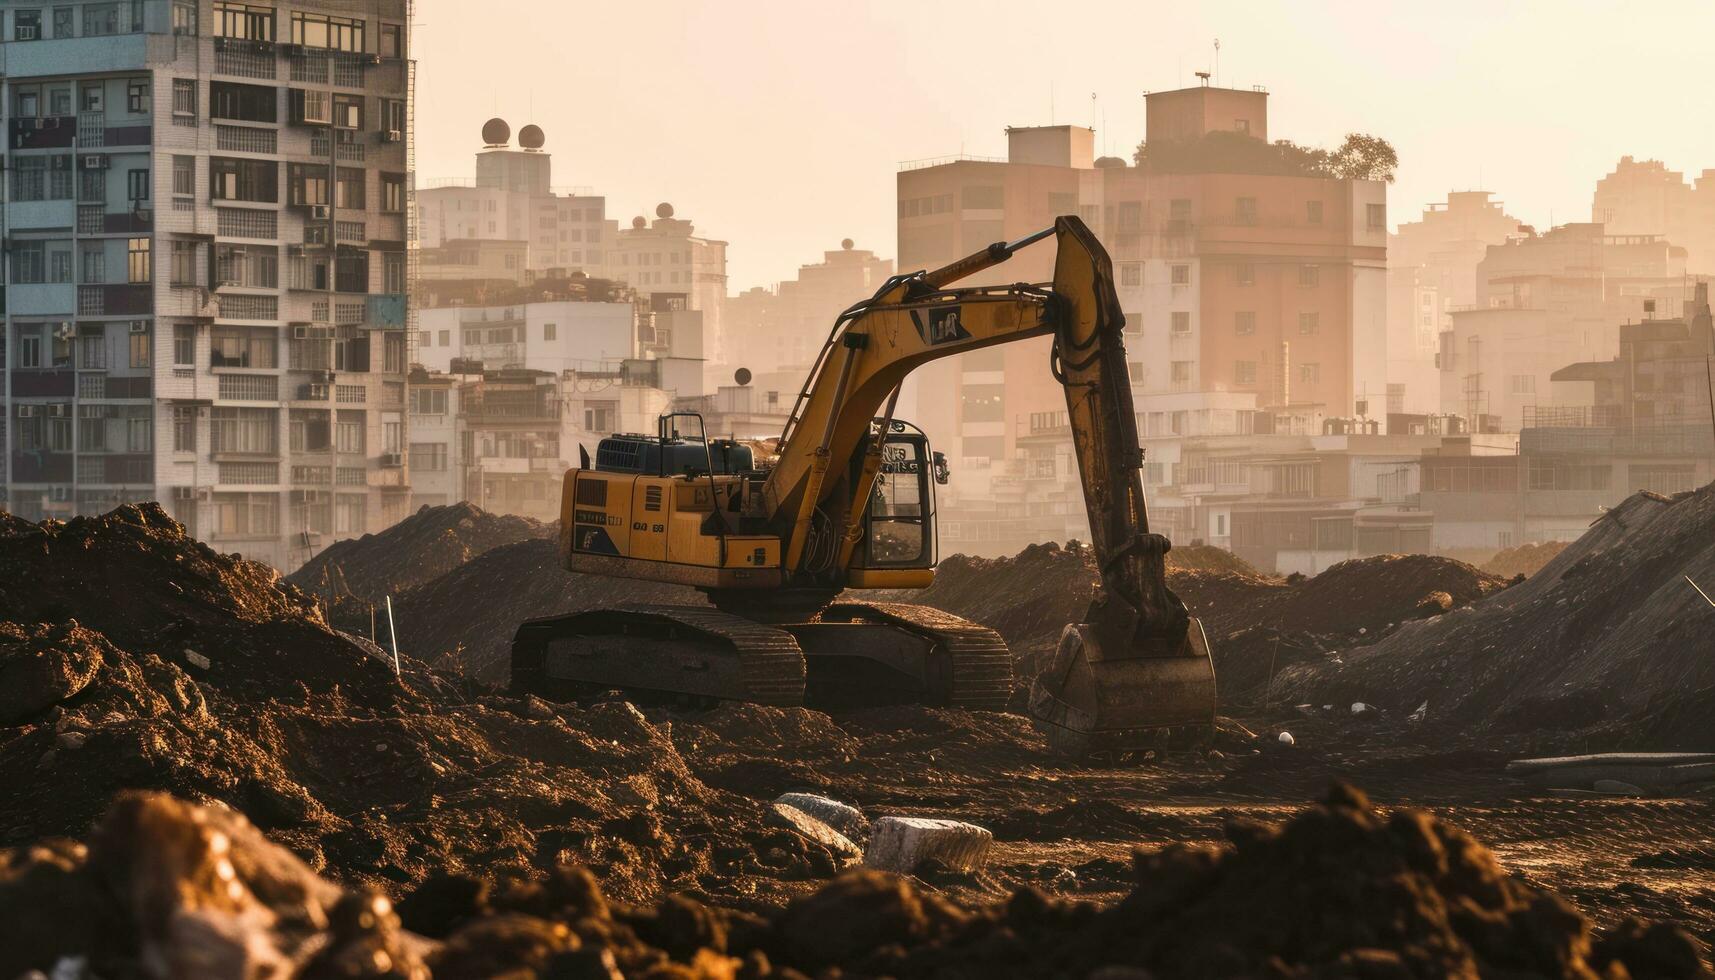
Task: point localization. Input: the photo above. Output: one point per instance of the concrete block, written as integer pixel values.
(843, 817)
(844, 852)
(902, 843)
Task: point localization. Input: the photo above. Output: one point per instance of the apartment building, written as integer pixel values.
(669, 264)
(208, 226)
(784, 328)
(1242, 290)
(1643, 197)
(512, 199)
(1432, 270)
(1544, 301)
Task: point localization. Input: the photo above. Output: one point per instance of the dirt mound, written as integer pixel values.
(1364, 595)
(465, 620)
(1340, 890)
(1526, 559)
(1607, 634)
(357, 572)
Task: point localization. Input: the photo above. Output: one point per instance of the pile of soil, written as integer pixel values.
(465, 619)
(210, 677)
(1526, 559)
(1339, 890)
(353, 574)
(1607, 637)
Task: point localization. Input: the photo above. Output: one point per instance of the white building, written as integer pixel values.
(666, 262)
(554, 336)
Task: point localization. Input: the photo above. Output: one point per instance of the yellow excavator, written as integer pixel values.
(849, 505)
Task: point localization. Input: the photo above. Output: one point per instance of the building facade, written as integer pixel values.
(208, 215)
(666, 262)
(1643, 197)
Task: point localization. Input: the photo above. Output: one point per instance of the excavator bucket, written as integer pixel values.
(1105, 696)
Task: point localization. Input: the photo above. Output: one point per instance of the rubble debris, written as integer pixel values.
(903, 843)
(1339, 890)
(846, 819)
(840, 848)
(1638, 773)
(1285, 738)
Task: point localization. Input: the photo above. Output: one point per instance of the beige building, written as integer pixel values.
(1432, 270)
(668, 264)
(1546, 301)
(1643, 197)
(783, 329)
(475, 258)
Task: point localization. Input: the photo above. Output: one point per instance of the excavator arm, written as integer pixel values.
(1139, 663)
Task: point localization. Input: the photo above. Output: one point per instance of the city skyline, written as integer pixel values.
(829, 122)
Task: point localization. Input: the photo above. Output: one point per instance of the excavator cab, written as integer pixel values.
(899, 524)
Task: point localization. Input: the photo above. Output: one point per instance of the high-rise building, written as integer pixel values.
(512, 203)
(783, 329)
(1247, 289)
(208, 222)
(1432, 271)
(1643, 197)
(676, 270)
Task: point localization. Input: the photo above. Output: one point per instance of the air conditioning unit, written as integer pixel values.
(319, 212)
(95, 161)
(26, 411)
(139, 326)
(184, 493)
(300, 333)
(392, 136)
(27, 33)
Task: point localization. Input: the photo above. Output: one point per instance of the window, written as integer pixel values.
(92, 93)
(100, 19)
(245, 103)
(348, 190)
(184, 428)
(429, 457)
(1244, 211)
(141, 348)
(1131, 274)
(59, 262)
(29, 178)
(59, 101)
(1523, 384)
(393, 428)
(185, 17)
(351, 272)
(139, 262)
(137, 186)
(1309, 276)
(184, 344)
(29, 347)
(1181, 322)
(243, 430)
(255, 266)
(94, 263)
(1131, 216)
(1180, 372)
(428, 401)
(1244, 372)
(1310, 373)
(185, 96)
(444, 338)
(1244, 322)
(184, 176)
(28, 103)
(244, 180)
(393, 192)
(30, 262)
(1181, 275)
(1309, 323)
(392, 41)
(248, 21)
(137, 97)
(393, 117)
(324, 31)
(1313, 212)
(63, 22)
(92, 347)
(247, 347)
(1375, 217)
(393, 356)
(348, 431)
(348, 514)
(549, 330)
(307, 184)
(308, 432)
(27, 25)
(393, 273)
(246, 514)
(184, 268)
(348, 111)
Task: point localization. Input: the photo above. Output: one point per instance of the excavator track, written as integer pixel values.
(976, 661)
(675, 650)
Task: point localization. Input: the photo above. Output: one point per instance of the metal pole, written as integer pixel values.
(392, 636)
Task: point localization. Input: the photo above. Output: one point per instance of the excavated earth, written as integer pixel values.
(135, 658)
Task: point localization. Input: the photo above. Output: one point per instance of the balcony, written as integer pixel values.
(117, 300)
(45, 133)
(93, 219)
(93, 132)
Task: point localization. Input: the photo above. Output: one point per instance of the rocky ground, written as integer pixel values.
(210, 678)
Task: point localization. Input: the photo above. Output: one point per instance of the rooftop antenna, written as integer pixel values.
(1217, 62)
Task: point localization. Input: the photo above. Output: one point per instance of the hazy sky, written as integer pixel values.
(778, 126)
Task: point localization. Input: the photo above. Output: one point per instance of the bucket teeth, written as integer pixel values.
(1094, 697)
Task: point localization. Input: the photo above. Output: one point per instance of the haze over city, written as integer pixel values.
(777, 125)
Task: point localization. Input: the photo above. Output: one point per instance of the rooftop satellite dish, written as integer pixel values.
(639, 221)
(531, 137)
(495, 132)
(742, 376)
(663, 210)
(847, 244)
